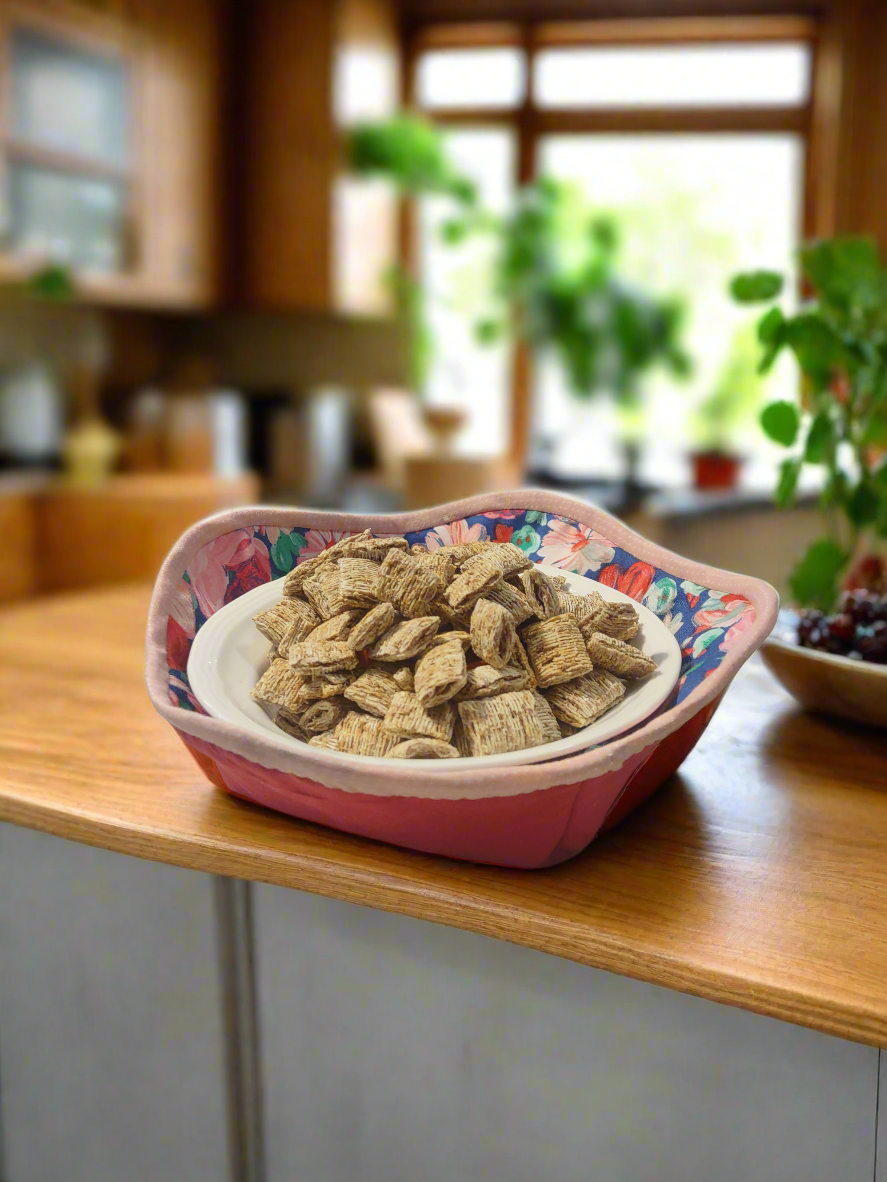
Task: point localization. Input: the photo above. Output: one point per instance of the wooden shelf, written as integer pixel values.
(757, 877)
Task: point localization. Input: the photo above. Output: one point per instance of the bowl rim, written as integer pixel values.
(315, 763)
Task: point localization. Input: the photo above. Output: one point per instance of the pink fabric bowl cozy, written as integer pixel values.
(527, 817)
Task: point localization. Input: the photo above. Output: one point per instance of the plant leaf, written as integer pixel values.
(781, 421)
(814, 581)
(752, 287)
(820, 439)
(863, 504)
(789, 471)
(818, 349)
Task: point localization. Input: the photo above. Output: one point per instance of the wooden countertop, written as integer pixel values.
(757, 877)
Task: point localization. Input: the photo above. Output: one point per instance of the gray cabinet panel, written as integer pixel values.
(111, 1032)
(397, 1051)
(881, 1171)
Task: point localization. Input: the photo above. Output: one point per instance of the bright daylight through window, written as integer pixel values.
(691, 205)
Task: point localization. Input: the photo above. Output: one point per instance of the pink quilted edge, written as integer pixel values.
(405, 779)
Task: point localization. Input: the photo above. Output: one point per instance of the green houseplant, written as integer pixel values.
(838, 422)
(729, 406)
(557, 286)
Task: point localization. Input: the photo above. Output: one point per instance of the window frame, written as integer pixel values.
(530, 122)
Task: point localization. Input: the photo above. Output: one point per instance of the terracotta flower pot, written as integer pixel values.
(715, 470)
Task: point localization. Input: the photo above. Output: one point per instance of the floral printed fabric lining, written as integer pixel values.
(707, 623)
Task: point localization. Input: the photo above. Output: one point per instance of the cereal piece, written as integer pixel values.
(460, 739)
(574, 605)
(520, 660)
(327, 685)
(279, 686)
(567, 730)
(423, 749)
(492, 633)
(556, 649)
(373, 691)
(440, 560)
(486, 682)
(366, 546)
(462, 551)
(548, 722)
(617, 657)
(440, 674)
(407, 716)
(513, 600)
(581, 701)
(507, 722)
(290, 616)
(405, 678)
(294, 581)
(410, 583)
(470, 584)
(323, 715)
(322, 591)
(458, 618)
(289, 724)
(327, 740)
(313, 657)
(509, 558)
(405, 640)
(541, 591)
(337, 627)
(619, 620)
(358, 582)
(458, 637)
(368, 630)
(362, 734)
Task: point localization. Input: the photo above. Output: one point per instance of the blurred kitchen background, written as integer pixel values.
(233, 269)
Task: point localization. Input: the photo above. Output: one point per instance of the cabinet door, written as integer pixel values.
(400, 1051)
(182, 63)
(111, 1031)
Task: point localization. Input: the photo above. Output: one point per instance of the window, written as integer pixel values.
(464, 373)
(697, 147)
(452, 78)
(673, 76)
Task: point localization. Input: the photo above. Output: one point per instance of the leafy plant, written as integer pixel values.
(839, 420)
(557, 286)
(733, 400)
(409, 152)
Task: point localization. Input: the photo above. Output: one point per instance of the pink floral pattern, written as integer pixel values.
(457, 533)
(575, 547)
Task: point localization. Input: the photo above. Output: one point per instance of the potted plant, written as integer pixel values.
(557, 287)
(718, 419)
(410, 154)
(838, 422)
(833, 656)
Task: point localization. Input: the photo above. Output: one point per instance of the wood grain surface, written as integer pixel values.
(756, 877)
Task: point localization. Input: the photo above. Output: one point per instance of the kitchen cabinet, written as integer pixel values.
(111, 1017)
(395, 1048)
(314, 238)
(109, 116)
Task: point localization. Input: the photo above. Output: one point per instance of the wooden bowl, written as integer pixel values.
(823, 682)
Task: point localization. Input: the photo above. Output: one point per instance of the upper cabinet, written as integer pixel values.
(312, 237)
(109, 117)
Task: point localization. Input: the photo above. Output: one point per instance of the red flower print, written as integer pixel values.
(178, 645)
(252, 568)
(502, 533)
(634, 582)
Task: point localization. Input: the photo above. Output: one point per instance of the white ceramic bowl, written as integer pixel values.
(229, 655)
